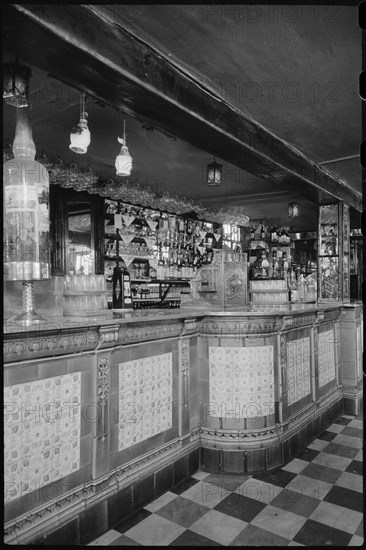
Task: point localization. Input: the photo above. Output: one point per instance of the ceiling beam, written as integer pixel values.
(89, 51)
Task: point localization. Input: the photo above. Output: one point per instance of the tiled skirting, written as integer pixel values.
(95, 520)
(273, 456)
(353, 405)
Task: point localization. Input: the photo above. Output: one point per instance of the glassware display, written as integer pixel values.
(355, 264)
(329, 268)
(157, 246)
(346, 253)
(270, 291)
(85, 295)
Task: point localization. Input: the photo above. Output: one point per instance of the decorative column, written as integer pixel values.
(101, 431)
(184, 367)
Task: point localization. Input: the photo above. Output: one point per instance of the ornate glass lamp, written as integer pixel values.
(123, 161)
(26, 217)
(214, 174)
(80, 134)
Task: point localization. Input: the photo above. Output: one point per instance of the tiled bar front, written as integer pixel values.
(98, 429)
(269, 384)
(101, 417)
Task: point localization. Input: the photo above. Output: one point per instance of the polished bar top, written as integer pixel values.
(151, 316)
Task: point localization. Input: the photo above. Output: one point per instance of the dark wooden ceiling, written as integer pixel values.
(293, 72)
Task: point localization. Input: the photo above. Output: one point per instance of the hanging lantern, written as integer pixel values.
(123, 161)
(16, 84)
(80, 134)
(293, 209)
(214, 174)
(26, 217)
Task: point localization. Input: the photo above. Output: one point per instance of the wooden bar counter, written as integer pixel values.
(104, 414)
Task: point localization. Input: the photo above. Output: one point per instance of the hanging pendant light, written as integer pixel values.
(123, 161)
(80, 134)
(16, 84)
(293, 210)
(214, 174)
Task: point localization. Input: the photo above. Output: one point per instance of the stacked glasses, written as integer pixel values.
(85, 295)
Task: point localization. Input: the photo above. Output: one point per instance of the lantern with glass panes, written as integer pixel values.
(214, 174)
(293, 209)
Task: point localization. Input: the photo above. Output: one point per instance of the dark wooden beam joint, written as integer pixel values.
(83, 46)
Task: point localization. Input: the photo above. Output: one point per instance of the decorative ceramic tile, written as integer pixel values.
(221, 380)
(326, 357)
(241, 381)
(298, 369)
(145, 398)
(42, 433)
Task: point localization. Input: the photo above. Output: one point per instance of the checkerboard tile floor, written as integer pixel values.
(315, 500)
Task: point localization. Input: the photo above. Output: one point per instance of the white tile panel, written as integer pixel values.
(241, 381)
(41, 433)
(145, 398)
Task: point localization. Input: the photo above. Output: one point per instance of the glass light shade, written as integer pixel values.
(26, 209)
(80, 137)
(123, 161)
(214, 172)
(293, 210)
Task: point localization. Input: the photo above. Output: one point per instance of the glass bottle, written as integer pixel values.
(181, 225)
(293, 290)
(301, 288)
(26, 208)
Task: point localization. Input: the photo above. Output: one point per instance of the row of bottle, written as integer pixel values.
(142, 270)
(302, 289)
(272, 234)
(272, 266)
(165, 304)
(175, 272)
(167, 238)
(152, 223)
(115, 248)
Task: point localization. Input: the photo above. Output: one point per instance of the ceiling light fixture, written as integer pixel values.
(214, 174)
(293, 210)
(16, 84)
(80, 134)
(123, 161)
